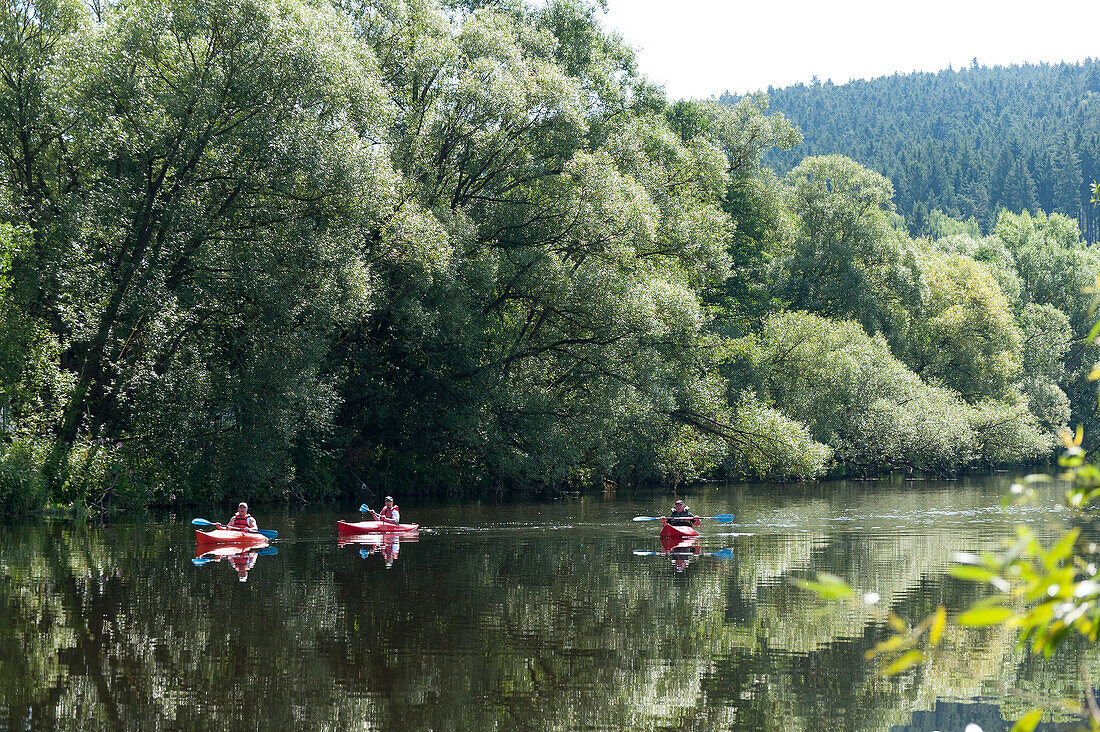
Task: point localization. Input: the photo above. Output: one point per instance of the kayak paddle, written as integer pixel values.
(367, 509)
(269, 533)
(723, 518)
(726, 553)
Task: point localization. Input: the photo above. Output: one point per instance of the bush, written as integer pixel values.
(22, 484)
(875, 413)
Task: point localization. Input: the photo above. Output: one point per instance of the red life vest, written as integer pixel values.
(240, 523)
(387, 513)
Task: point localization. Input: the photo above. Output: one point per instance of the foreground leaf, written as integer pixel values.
(938, 624)
(983, 616)
(907, 661)
(1029, 721)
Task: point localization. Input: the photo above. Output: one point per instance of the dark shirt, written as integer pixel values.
(683, 518)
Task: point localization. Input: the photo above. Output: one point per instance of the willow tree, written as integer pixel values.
(1058, 270)
(877, 415)
(965, 336)
(195, 177)
(845, 260)
(562, 338)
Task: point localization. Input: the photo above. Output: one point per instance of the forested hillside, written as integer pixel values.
(968, 142)
(288, 248)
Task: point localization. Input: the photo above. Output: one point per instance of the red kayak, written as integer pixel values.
(668, 531)
(229, 536)
(221, 551)
(375, 527)
(677, 545)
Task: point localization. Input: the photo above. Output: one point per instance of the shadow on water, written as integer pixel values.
(971, 716)
(538, 615)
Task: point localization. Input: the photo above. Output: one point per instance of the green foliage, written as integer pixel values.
(779, 448)
(22, 487)
(965, 143)
(564, 338)
(196, 243)
(1058, 270)
(941, 225)
(966, 338)
(280, 248)
(688, 120)
(1047, 336)
(1054, 265)
(874, 412)
(754, 202)
(846, 261)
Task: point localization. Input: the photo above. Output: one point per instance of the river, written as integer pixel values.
(555, 614)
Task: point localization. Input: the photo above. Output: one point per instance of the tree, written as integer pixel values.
(195, 240)
(875, 413)
(1047, 337)
(754, 202)
(1019, 192)
(1067, 177)
(564, 339)
(846, 261)
(965, 337)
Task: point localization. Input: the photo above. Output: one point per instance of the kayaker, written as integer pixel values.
(241, 521)
(681, 515)
(389, 512)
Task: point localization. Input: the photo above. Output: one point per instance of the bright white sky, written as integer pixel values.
(699, 48)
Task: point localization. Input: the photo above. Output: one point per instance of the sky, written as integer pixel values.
(699, 48)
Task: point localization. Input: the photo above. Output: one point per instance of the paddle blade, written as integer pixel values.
(364, 508)
(202, 522)
(724, 518)
(269, 533)
(726, 553)
(199, 561)
(647, 518)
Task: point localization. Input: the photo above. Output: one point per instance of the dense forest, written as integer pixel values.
(292, 248)
(965, 143)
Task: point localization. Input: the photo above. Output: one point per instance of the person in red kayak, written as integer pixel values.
(681, 515)
(389, 513)
(241, 521)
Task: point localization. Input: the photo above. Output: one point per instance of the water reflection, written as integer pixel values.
(517, 615)
(973, 715)
(386, 545)
(241, 559)
(683, 551)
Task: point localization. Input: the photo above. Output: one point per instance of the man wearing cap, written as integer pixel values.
(389, 512)
(241, 521)
(681, 515)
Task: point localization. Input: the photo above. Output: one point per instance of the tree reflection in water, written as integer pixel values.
(971, 716)
(535, 615)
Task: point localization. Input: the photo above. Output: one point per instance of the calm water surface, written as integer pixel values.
(543, 615)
